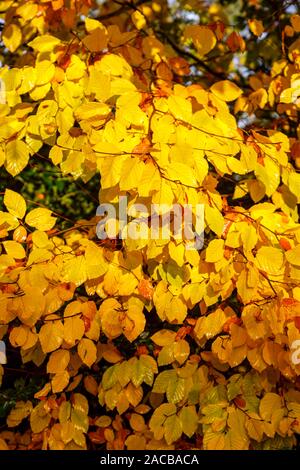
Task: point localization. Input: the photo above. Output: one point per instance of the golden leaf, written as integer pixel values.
(87, 351)
(15, 203)
(58, 361)
(226, 90)
(17, 156)
(60, 381)
(40, 219)
(12, 37)
(51, 336)
(256, 27)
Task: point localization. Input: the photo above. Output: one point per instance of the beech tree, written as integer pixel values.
(145, 343)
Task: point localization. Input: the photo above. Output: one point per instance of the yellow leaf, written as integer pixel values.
(14, 203)
(180, 107)
(180, 172)
(226, 90)
(2, 153)
(75, 270)
(270, 259)
(137, 422)
(7, 221)
(215, 251)
(94, 331)
(255, 429)
(138, 19)
(21, 410)
(115, 65)
(40, 239)
(67, 432)
(293, 256)
(256, 329)
(14, 249)
(134, 442)
(40, 92)
(214, 219)
(133, 323)
(257, 190)
(56, 155)
(166, 355)
(87, 351)
(158, 418)
(142, 409)
(132, 171)
(109, 314)
(269, 175)
(92, 111)
(92, 24)
(134, 394)
(295, 21)
(164, 337)
(45, 71)
(12, 37)
(73, 330)
(97, 38)
(4, 446)
(39, 255)
(203, 38)
(40, 219)
(103, 421)
(214, 440)
(172, 429)
(79, 413)
(51, 336)
(181, 351)
(111, 353)
(268, 405)
(44, 391)
(58, 361)
(28, 75)
(64, 412)
(18, 336)
(60, 381)
(76, 69)
(17, 156)
(39, 418)
(256, 27)
(91, 386)
(45, 43)
(214, 323)
(293, 183)
(189, 420)
(175, 389)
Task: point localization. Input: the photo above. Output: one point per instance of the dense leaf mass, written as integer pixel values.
(144, 343)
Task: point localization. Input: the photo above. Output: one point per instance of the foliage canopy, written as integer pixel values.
(143, 344)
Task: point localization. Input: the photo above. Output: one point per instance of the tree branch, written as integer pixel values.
(123, 8)
(190, 55)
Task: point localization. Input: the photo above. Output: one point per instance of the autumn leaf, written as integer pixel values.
(41, 219)
(156, 122)
(51, 336)
(226, 90)
(87, 351)
(256, 27)
(15, 203)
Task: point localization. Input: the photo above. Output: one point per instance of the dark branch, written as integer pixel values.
(123, 8)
